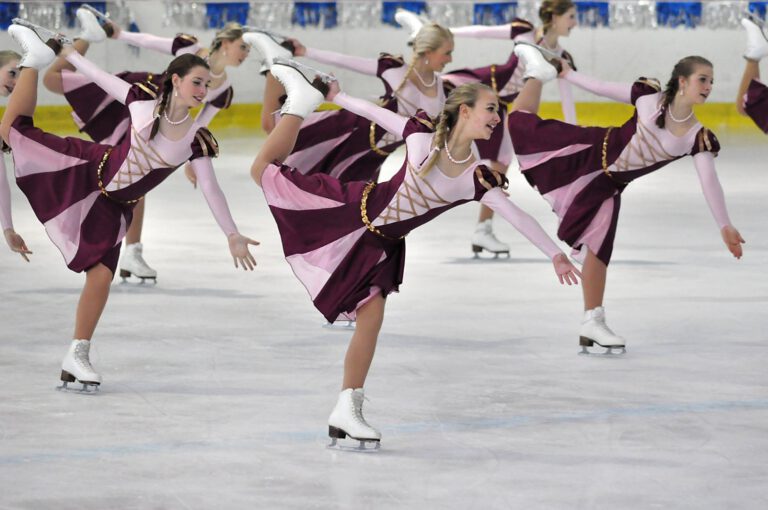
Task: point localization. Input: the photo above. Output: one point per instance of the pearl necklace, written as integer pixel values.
(175, 123)
(679, 121)
(427, 85)
(217, 76)
(448, 153)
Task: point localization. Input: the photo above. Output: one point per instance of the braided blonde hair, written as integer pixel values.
(231, 32)
(466, 94)
(430, 38)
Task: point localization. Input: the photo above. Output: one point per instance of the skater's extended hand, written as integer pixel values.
(190, 173)
(299, 49)
(565, 68)
(732, 240)
(333, 90)
(16, 243)
(566, 272)
(238, 247)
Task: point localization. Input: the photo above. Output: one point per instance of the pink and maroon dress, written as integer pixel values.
(106, 120)
(507, 80)
(582, 171)
(346, 241)
(84, 192)
(756, 104)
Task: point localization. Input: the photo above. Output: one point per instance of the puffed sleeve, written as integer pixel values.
(643, 87)
(706, 141)
(418, 123)
(204, 145)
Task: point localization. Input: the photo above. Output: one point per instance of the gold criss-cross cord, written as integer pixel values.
(409, 196)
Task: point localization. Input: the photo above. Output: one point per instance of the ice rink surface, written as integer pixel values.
(218, 383)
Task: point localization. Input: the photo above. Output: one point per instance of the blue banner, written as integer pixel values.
(388, 10)
(757, 8)
(8, 11)
(593, 14)
(674, 14)
(494, 13)
(315, 14)
(71, 7)
(219, 14)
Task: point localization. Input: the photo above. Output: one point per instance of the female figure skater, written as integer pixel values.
(9, 61)
(106, 120)
(558, 18)
(84, 192)
(582, 171)
(345, 241)
(752, 99)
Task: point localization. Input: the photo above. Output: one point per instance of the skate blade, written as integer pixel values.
(340, 326)
(477, 250)
(85, 389)
(754, 18)
(100, 15)
(127, 274)
(610, 352)
(47, 32)
(363, 446)
(326, 78)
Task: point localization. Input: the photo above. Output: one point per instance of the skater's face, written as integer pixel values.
(8, 76)
(481, 119)
(235, 51)
(192, 87)
(697, 87)
(438, 58)
(562, 24)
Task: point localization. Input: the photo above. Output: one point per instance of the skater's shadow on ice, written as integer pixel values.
(149, 289)
(509, 260)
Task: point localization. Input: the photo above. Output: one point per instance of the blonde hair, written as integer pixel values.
(551, 8)
(7, 56)
(430, 38)
(231, 32)
(464, 94)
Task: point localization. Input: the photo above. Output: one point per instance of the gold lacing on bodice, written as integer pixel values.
(414, 193)
(142, 158)
(644, 149)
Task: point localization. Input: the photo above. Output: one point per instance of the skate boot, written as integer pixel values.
(132, 263)
(410, 21)
(77, 367)
(595, 331)
(484, 239)
(540, 63)
(303, 96)
(347, 420)
(36, 54)
(341, 325)
(269, 46)
(757, 44)
(92, 29)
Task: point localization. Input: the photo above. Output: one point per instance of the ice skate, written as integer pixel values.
(342, 325)
(92, 31)
(540, 63)
(303, 97)
(484, 240)
(347, 420)
(77, 367)
(36, 53)
(757, 44)
(280, 39)
(410, 21)
(595, 331)
(132, 263)
(268, 46)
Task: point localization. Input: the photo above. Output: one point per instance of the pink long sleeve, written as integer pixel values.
(621, 92)
(111, 84)
(206, 178)
(390, 121)
(368, 66)
(6, 220)
(154, 42)
(206, 115)
(566, 101)
(710, 185)
(522, 221)
(484, 32)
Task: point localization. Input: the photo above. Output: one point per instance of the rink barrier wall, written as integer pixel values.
(719, 117)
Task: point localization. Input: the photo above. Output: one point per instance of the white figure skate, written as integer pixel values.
(132, 263)
(757, 44)
(484, 240)
(303, 96)
(540, 63)
(347, 420)
(36, 54)
(595, 331)
(269, 45)
(410, 21)
(77, 367)
(92, 31)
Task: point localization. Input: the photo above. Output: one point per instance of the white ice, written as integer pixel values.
(218, 383)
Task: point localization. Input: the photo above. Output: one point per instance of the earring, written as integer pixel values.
(175, 92)
(426, 61)
(224, 53)
(682, 92)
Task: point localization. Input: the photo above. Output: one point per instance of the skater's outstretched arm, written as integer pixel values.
(217, 202)
(14, 240)
(484, 32)
(361, 65)
(112, 85)
(169, 45)
(390, 121)
(566, 101)
(713, 193)
(621, 92)
(206, 114)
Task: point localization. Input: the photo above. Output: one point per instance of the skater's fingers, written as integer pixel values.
(235, 260)
(24, 255)
(252, 241)
(251, 259)
(560, 277)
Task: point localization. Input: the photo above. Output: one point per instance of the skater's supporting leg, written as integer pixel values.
(363, 344)
(529, 98)
(278, 145)
(92, 301)
(22, 101)
(271, 103)
(593, 279)
(751, 72)
(52, 78)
